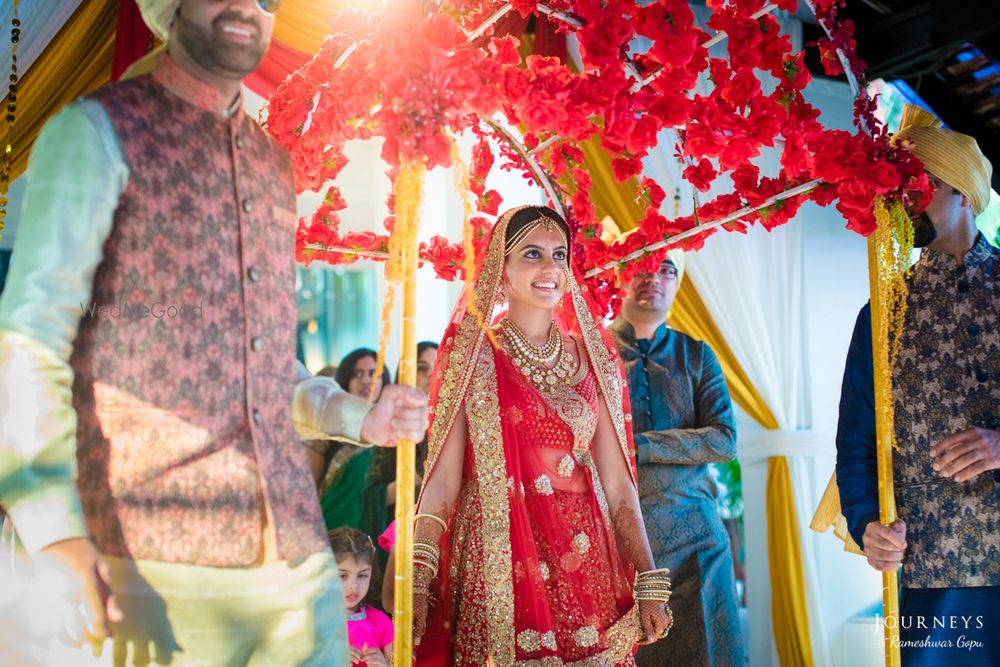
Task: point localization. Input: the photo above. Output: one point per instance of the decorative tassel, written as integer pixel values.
(7, 161)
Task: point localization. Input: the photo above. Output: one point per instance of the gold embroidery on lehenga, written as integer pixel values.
(586, 636)
(566, 466)
(543, 485)
(485, 431)
(529, 640)
(608, 373)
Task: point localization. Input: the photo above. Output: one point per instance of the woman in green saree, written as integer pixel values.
(347, 467)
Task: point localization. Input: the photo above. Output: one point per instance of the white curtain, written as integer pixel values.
(754, 286)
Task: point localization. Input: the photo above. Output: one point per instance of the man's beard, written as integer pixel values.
(238, 60)
(924, 231)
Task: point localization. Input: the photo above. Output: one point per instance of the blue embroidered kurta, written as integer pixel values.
(683, 421)
(946, 380)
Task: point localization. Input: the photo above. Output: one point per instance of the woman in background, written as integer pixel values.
(345, 466)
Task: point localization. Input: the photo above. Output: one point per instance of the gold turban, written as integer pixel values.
(951, 156)
(159, 15)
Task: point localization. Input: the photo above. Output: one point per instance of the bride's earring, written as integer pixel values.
(501, 296)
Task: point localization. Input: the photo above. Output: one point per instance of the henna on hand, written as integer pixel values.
(654, 620)
(631, 536)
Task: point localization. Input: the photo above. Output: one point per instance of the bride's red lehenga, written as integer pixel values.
(530, 570)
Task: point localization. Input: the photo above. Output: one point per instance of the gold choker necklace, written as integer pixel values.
(537, 362)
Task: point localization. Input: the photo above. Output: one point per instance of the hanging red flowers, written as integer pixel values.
(416, 73)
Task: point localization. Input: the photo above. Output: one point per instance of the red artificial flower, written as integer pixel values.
(795, 72)
(479, 169)
(774, 45)
(446, 258)
(795, 159)
(701, 175)
(626, 167)
(720, 207)
(608, 31)
(884, 177)
(652, 193)
(504, 50)
(744, 37)
(741, 88)
(489, 202)
(670, 24)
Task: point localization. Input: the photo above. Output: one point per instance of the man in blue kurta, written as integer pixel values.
(946, 402)
(683, 421)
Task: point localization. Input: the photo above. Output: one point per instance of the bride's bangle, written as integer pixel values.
(653, 585)
(658, 571)
(431, 517)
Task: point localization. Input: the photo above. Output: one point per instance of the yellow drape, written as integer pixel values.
(788, 591)
(302, 24)
(828, 513)
(789, 616)
(76, 62)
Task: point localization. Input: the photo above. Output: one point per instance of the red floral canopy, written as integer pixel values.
(418, 73)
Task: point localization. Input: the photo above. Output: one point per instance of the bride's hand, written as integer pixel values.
(421, 602)
(654, 619)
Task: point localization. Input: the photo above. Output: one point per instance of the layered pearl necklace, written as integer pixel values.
(546, 367)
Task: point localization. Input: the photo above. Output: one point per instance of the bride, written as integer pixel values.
(528, 535)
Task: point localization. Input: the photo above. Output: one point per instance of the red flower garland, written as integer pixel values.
(411, 75)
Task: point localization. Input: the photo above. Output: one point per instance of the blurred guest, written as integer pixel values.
(356, 373)
(340, 468)
(150, 464)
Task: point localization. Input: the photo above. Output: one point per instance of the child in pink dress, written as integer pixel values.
(369, 631)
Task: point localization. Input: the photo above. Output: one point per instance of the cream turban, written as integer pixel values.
(159, 15)
(676, 255)
(953, 157)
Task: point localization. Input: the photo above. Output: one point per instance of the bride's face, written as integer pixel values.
(535, 271)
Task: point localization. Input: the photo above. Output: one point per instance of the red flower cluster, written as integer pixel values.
(414, 78)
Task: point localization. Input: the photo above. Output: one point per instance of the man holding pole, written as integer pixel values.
(148, 452)
(946, 403)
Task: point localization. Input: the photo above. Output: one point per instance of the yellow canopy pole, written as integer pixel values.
(403, 244)
(884, 428)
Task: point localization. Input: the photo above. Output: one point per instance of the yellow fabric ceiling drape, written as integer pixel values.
(76, 62)
(302, 24)
(789, 616)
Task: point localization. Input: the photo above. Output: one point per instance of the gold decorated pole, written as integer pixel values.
(402, 269)
(888, 257)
